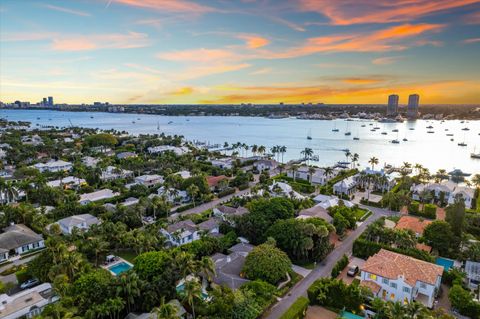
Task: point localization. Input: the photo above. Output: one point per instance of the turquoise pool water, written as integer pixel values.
(444, 262)
(349, 315)
(119, 268)
(181, 287)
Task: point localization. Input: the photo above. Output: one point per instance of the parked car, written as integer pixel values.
(353, 271)
(29, 283)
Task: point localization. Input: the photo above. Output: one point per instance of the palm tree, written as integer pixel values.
(192, 291)
(415, 309)
(307, 154)
(72, 263)
(184, 264)
(254, 149)
(283, 150)
(165, 310)
(311, 171)
(355, 158)
(373, 161)
(206, 266)
(294, 169)
(129, 288)
(97, 246)
(476, 180)
(193, 192)
(274, 150)
(327, 171)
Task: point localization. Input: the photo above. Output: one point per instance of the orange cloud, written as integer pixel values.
(67, 10)
(346, 12)
(182, 91)
(254, 41)
(102, 41)
(182, 6)
(361, 80)
(386, 60)
(197, 55)
(383, 40)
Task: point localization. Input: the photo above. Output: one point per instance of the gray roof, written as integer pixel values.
(184, 224)
(209, 224)
(78, 219)
(317, 211)
(241, 248)
(18, 235)
(227, 210)
(228, 269)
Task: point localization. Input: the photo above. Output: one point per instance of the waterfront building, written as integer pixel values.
(392, 108)
(412, 107)
(50, 101)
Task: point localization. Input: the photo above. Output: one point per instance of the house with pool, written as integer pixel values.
(396, 277)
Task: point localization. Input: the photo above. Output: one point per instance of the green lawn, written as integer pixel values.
(128, 255)
(478, 203)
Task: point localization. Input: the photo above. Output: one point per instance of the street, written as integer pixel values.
(325, 267)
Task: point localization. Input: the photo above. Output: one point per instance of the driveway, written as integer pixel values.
(325, 267)
(304, 272)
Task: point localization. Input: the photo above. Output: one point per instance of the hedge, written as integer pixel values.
(429, 211)
(339, 266)
(242, 187)
(297, 310)
(363, 248)
(413, 207)
(226, 192)
(22, 275)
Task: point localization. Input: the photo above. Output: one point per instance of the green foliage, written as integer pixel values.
(363, 248)
(413, 208)
(93, 288)
(453, 277)
(303, 240)
(456, 216)
(430, 211)
(339, 266)
(439, 235)
(297, 310)
(462, 300)
(22, 275)
(198, 181)
(227, 191)
(334, 293)
(101, 139)
(267, 263)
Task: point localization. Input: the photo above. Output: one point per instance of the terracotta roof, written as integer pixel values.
(415, 224)
(213, 181)
(391, 265)
(423, 247)
(373, 286)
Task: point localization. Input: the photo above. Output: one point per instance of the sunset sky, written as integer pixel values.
(222, 51)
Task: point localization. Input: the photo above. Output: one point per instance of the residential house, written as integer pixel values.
(130, 201)
(283, 189)
(90, 161)
(27, 303)
(415, 224)
(217, 182)
(149, 180)
(396, 277)
(167, 148)
(265, 165)
(81, 222)
(327, 201)
(228, 214)
(472, 271)
(173, 195)
(318, 177)
(223, 163)
(181, 233)
(17, 240)
(53, 166)
(228, 268)
(445, 191)
(184, 174)
(67, 182)
(112, 173)
(96, 196)
(316, 211)
(210, 227)
(125, 155)
(33, 140)
(384, 182)
(346, 186)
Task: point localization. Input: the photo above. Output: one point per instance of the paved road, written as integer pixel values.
(325, 267)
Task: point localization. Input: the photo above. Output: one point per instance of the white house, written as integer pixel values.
(81, 222)
(69, 181)
(96, 196)
(227, 213)
(181, 233)
(397, 277)
(446, 189)
(265, 165)
(184, 174)
(90, 161)
(319, 177)
(346, 186)
(167, 148)
(53, 166)
(173, 195)
(27, 303)
(18, 239)
(223, 163)
(149, 180)
(283, 189)
(327, 201)
(389, 181)
(111, 173)
(472, 270)
(34, 140)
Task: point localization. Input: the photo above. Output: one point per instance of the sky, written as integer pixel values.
(226, 51)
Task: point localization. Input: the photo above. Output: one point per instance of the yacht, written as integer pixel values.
(411, 129)
(475, 155)
(384, 133)
(430, 132)
(462, 144)
(395, 130)
(465, 129)
(395, 141)
(356, 138)
(449, 134)
(309, 135)
(363, 125)
(171, 122)
(405, 139)
(348, 133)
(429, 126)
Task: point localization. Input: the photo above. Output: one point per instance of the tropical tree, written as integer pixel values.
(311, 171)
(476, 180)
(193, 192)
(307, 154)
(373, 161)
(192, 292)
(206, 267)
(165, 310)
(129, 288)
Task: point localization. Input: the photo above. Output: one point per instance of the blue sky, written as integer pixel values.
(218, 51)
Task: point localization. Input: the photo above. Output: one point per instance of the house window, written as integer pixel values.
(406, 289)
(372, 276)
(423, 286)
(24, 248)
(385, 281)
(393, 285)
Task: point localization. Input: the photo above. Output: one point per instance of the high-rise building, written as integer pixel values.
(44, 102)
(412, 107)
(392, 108)
(50, 101)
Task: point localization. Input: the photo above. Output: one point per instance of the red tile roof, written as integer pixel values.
(214, 180)
(415, 224)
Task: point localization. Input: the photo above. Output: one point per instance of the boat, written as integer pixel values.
(91, 117)
(335, 129)
(395, 141)
(474, 154)
(373, 130)
(356, 138)
(363, 125)
(449, 134)
(309, 135)
(465, 129)
(133, 122)
(411, 129)
(429, 126)
(462, 144)
(171, 122)
(405, 139)
(346, 150)
(446, 129)
(158, 126)
(452, 139)
(38, 118)
(395, 130)
(430, 132)
(347, 132)
(138, 119)
(384, 133)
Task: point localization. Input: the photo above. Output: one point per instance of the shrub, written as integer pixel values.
(339, 266)
(297, 310)
(242, 187)
(22, 275)
(430, 211)
(413, 207)
(267, 263)
(334, 293)
(363, 248)
(226, 192)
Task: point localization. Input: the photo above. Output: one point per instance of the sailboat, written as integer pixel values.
(463, 143)
(356, 138)
(347, 132)
(335, 129)
(474, 154)
(158, 126)
(405, 138)
(395, 141)
(309, 135)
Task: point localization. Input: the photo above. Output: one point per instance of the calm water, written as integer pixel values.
(431, 150)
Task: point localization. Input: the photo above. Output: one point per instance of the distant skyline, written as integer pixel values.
(217, 51)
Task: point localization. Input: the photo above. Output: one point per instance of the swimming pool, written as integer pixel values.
(444, 262)
(349, 315)
(119, 268)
